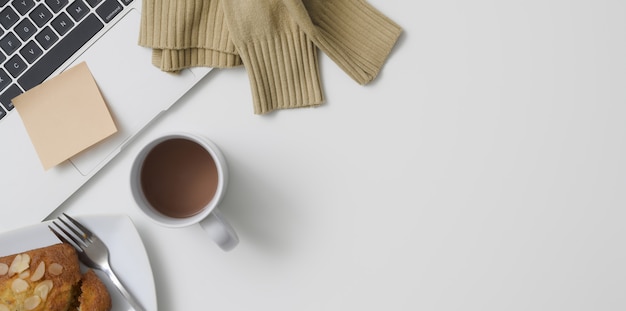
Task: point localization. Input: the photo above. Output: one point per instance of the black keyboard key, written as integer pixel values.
(109, 9)
(40, 15)
(62, 23)
(31, 52)
(78, 9)
(25, 29)
(61, 52)
(2, 113)
(10, 43)
(56, 5)
(127, 2)
(2, 57)
(5, 80)
(8, 95)
(15, 65)
(23, 6)
(46, 37)
(8, 17)
(3, 2)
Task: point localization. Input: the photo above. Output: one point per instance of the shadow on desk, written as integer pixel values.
(259, 210)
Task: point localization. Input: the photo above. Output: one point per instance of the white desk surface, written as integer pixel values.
(484, 169)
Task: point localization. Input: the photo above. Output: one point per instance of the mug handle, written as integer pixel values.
(220, 230)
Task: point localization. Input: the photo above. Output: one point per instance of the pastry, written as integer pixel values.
(49, 278)
(94, 295)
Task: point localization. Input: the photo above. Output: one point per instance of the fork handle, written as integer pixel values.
(131, 300)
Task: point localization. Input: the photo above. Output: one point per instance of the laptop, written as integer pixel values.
(40, 39)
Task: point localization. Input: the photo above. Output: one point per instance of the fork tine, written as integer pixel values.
(65, 236)
(58, 235)
(75, 233)
(85, 231)
(69, 234)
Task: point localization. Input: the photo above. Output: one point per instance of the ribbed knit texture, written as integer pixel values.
(187, 33)
(175, 60)
(354, 34)
(281, 62)
(283, 72)
(276, 40)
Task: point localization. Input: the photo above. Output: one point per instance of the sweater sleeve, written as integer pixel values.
(174, 60)
(186, 33)
(354, 34)
(281, 61)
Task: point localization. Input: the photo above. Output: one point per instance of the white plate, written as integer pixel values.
(128, 255)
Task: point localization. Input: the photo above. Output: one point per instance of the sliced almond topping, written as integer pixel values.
(24, 275)
(17, 260)
(20, 263)
(19, 286)
(4, 269)
(55, 269)
(31, 302)
(42, 289)
(4, 308)
(41, 269)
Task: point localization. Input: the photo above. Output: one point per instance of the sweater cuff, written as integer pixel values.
(175, 60)
(354, 34)
(182, 24)
(283, 71)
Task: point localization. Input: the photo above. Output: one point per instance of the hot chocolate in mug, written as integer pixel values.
(178, 180)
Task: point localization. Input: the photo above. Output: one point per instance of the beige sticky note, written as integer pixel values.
(65, 115)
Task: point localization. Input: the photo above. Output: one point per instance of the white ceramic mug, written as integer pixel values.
(207, 215)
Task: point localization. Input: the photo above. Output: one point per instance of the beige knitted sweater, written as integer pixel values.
(276, 41)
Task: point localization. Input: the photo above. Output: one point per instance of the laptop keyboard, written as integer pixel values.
(38, 36)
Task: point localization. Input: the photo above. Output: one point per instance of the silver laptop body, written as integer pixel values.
(135, 91)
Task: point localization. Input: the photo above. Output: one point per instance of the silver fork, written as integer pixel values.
(91, 251)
